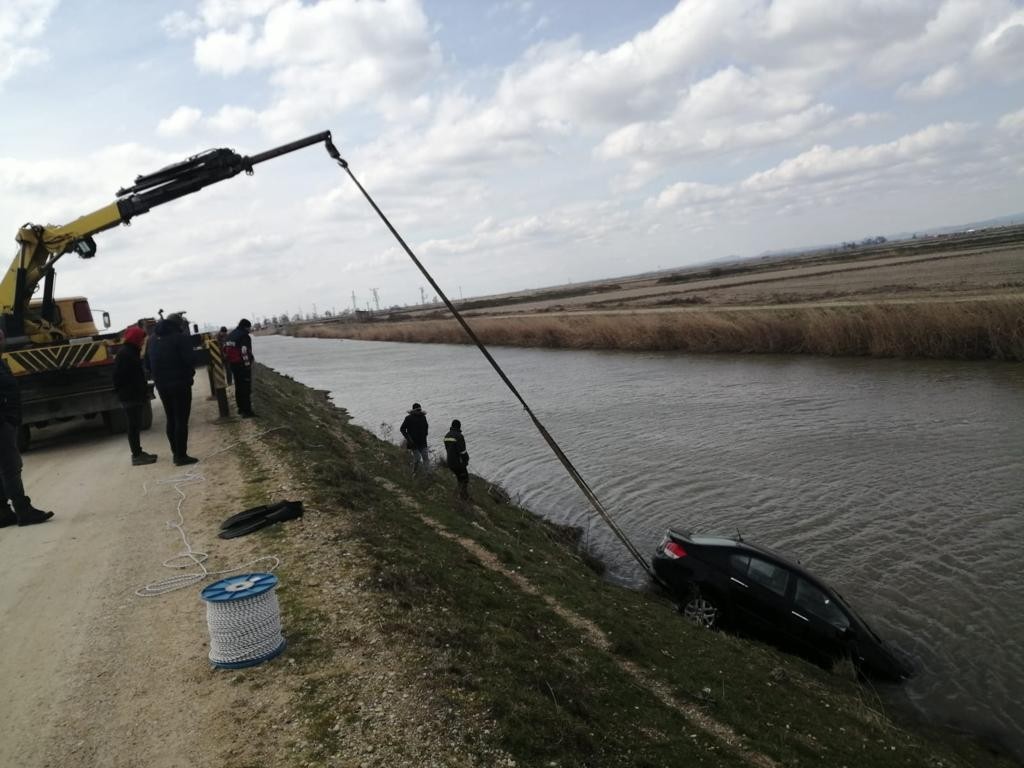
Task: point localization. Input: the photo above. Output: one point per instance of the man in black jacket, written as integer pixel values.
(458, 459)
(414, 428)
(130, 383)
(10, 457)
(238, 351)
(170, 360)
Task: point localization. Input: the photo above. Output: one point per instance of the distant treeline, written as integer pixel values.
(956, 330)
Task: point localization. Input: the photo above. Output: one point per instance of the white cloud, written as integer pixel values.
(729, 111)
(823, 162)
(941, 83)
(179, 122)
(323, 57)
(1001, 52)
(824, 175)
(21, 22)
(231, 119)
(1012, 123)
(688, 193)
(179, 25)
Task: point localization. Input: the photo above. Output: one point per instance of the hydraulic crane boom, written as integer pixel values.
(39, 247)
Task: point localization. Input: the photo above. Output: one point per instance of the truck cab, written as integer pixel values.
(74, 315)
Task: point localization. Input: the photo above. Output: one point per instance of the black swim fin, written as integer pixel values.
(253, 519)
(247, 515)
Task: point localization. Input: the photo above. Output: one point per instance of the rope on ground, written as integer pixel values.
(188, 557)
(595, 502)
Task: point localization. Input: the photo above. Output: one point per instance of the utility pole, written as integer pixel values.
(355, 307)
(314, 310)
(423, 295)
(376, 298)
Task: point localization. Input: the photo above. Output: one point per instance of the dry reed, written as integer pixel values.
(961, 330)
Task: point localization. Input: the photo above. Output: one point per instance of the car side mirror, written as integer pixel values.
(106, 319)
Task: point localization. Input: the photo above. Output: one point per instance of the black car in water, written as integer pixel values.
(736, 585)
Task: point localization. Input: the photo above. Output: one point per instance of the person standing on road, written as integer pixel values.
(238, 351)
(414, 428)
(458, 458)
(130, 383)
(222, 339)
(170, 360)
(10, 457)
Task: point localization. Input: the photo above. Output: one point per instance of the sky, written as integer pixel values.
(514, 144)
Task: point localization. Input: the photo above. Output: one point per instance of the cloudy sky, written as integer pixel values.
(513, 143)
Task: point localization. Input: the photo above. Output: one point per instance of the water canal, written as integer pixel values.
(901, 483)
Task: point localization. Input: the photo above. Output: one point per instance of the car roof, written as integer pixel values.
(739, 544)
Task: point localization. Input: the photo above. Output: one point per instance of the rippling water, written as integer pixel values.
(899, 482)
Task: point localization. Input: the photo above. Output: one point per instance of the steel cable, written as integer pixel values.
(588, 492)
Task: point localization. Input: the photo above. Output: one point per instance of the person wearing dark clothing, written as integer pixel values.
(414, 428)
(130, 383)
(10, 457)
(222, 339)
(238, 352)
(170, 360)
(458, 459)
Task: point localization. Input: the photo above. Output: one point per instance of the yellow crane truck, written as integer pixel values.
(64, 365)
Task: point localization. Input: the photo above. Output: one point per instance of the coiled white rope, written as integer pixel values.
(245, 629)
(189, 558)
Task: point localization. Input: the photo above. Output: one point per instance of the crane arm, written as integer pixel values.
(39, 247)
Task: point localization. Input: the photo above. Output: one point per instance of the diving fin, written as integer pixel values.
(253, 519)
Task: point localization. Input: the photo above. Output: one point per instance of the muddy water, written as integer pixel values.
(900, 483)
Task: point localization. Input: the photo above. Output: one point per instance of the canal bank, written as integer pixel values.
(421, 631)
(418, 633)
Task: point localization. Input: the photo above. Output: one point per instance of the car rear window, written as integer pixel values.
(810, 599)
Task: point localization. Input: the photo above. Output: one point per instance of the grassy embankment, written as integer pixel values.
(962, 330)
(421, 632)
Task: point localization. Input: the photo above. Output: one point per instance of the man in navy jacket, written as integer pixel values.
(170, 361)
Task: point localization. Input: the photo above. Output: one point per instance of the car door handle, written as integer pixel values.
(799, 616)
(733, 578)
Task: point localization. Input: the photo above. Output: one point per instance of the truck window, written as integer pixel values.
(82, 312)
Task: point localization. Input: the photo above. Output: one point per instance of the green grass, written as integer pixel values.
(493, 652)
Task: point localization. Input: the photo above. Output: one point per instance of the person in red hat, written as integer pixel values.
(130, 383)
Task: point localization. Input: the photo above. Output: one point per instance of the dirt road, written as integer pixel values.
(91, 674)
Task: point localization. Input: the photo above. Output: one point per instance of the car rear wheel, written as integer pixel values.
(702, 610)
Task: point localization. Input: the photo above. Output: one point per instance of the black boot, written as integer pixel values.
(184, 459)
(7, 517)
(27, 514)
(143, 458)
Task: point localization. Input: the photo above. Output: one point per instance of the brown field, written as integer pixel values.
(957, 297)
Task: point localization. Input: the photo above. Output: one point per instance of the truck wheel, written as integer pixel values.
(24, 438)
(115, 420)
(147, 415)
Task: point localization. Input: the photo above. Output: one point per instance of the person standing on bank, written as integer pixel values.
(458, 459)
(222, 339)
(414, 428)
(130, 383)
(170, 360)
(10, 457)
(238, 351)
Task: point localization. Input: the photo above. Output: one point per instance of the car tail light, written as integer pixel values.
(674, 550)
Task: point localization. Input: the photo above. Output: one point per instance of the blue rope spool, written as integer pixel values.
(244, 620)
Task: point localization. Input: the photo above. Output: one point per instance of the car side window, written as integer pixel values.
(768, 575)
(812, 600)
(739, 563)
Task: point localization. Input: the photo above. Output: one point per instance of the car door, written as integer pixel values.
(817, 622)
(757, 590)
